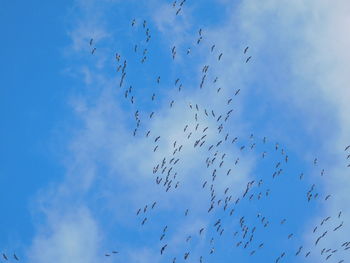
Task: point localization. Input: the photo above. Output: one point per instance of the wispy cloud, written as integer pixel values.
(72, 236)
(102, 178)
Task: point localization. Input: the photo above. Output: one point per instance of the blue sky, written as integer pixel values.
(32, 103)
(73, 175)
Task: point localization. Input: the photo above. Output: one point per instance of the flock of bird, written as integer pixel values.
(222, 205)
(196, 135)
(7, 258)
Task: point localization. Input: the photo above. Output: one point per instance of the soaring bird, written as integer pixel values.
(220, 56)
(245, 50)
(335, 229)
(163, 248)
(248, 59)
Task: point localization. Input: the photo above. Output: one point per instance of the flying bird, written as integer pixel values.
(163, 248)
(219, 58)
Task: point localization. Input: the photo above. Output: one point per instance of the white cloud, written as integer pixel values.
(106, 138)
(310, 38)
(69, 237)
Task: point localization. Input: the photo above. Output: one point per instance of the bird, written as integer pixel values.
(248, 59)
(335, 229)
(245, 50)
(4, 256)
(163, 248)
